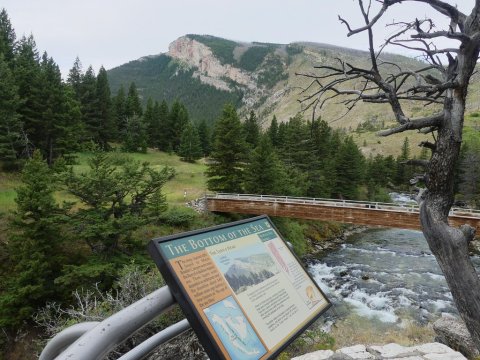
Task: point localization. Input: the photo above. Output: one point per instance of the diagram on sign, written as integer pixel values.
(234, 330)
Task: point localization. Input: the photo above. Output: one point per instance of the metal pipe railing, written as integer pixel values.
(65, 338)
(146, 347)
(106, 335)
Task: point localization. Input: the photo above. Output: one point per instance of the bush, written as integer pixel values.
(293, 232)
(309, 341)
(178, 216)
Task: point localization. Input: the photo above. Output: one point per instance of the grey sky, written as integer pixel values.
(112, 32)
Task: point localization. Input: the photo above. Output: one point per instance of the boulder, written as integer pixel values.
(432, 351)
(453, 333)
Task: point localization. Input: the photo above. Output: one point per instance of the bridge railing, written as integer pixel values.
(455, 211)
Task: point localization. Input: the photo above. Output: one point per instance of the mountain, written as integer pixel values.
(205, 72)
(249, 271)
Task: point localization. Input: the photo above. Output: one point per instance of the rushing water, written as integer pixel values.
(386, 274)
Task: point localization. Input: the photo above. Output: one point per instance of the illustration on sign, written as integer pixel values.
(242, 286)
(234, 330)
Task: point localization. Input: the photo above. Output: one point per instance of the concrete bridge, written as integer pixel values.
(345, 211)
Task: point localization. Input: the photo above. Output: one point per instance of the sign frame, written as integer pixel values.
(193, 316)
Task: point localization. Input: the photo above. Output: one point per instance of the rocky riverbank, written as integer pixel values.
(319, 248)
(431, 351)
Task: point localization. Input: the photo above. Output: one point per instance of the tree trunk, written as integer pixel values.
(449, 244)
(450, 247)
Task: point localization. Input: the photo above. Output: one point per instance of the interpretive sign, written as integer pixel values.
(241, 288)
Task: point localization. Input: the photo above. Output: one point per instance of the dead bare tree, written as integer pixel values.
(441, 85)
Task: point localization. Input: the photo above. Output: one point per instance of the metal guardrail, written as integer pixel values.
(338, 203)
(93, 340)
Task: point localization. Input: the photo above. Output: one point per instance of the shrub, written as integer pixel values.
(293, 232)
(178, 216)
(310, 341)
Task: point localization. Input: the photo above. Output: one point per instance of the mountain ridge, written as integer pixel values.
(205, 72)
(252, 75)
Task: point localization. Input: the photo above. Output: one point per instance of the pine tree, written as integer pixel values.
(205, 137)
(54, 137)
(114, 194)
(107, 129)
(251, 129)
(90, 106)
(10, 125)
(34, 246)
(273, 131)
(120, 113)
(150, 119)
(178, 119)
(469, 169)
(135, 135)
(163, 140)
(75, 78)
(321, 168)
(74, 130)
(7, 39)
(225, 172)
(28, 80)
(404, 172)
(349, 166)
(282, 128)
(295, 150)
(262, 174)
(133, 105)
(190, 147)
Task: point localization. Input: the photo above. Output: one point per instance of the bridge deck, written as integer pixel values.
(351, 212)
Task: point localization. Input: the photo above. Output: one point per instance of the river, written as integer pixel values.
(388, 275)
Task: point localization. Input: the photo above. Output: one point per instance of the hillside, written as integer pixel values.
(204, 72)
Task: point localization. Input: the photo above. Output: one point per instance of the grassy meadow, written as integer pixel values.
(189, 178)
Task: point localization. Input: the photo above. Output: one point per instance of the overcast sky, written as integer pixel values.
(113, 32)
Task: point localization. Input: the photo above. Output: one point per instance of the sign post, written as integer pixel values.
(242, 289)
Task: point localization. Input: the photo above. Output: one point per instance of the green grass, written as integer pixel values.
(8, 183)
(189, 177)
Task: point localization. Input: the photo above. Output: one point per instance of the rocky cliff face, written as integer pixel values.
(209, 69)
(264, 78)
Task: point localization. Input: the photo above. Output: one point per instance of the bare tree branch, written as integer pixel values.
(368, 25)
(416, 162)
(450, 35)
(415, 124)
(428, 145)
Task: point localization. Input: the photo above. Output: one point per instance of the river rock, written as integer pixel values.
(474, 246)
(432, 351)
(317, 355)
(391, 351)
(199, 205)
(354, 352)
(453, 332)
